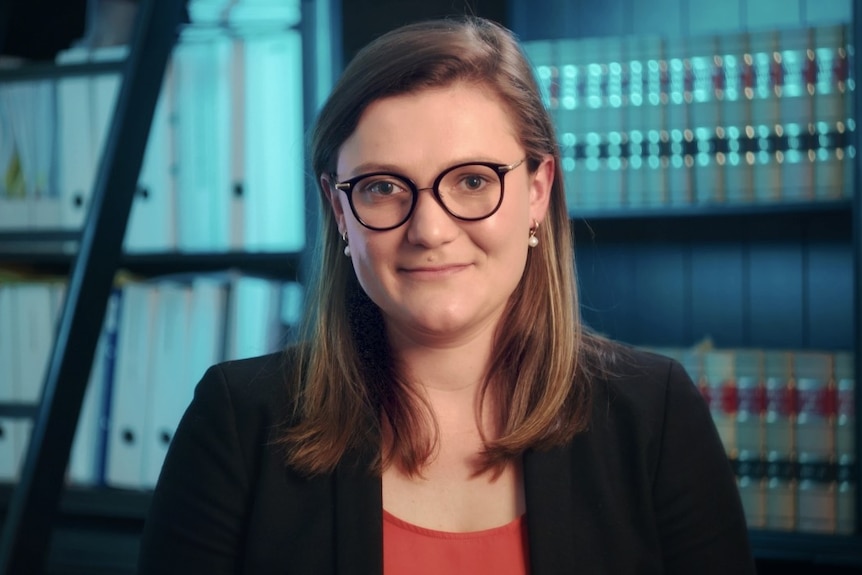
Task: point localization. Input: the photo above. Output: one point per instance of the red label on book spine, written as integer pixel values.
(752, 399)
(782, 401)
(729, 397)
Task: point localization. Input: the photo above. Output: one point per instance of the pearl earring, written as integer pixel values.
(346, 245)
(533, 241)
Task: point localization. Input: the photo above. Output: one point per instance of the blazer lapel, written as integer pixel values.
(548, 488)
(358, 517)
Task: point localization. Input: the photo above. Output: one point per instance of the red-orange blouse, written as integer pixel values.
(410, 549)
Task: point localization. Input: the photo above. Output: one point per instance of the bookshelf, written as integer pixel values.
(76, 529)
(32, 505)
(764, 257)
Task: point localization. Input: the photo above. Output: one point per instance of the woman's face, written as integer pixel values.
(437, 278)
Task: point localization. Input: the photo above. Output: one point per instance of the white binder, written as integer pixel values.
(76, 152)
(8, 373)
(86, 459)
(152, 223)
(131, 384)
(170, 385)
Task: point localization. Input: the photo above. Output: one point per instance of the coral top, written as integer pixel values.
(410, 549)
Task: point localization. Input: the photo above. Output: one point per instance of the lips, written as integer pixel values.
(434, 271)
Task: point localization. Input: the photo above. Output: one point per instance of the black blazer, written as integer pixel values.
(647, 489)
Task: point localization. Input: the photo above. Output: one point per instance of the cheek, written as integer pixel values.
(370, 256)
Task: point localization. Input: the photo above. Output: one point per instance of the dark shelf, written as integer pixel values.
(282, 265)
(29, 72)
(755, 223)
(822, 549)
(18, 410)
(753, 210)
(37, 236)
(97, 503)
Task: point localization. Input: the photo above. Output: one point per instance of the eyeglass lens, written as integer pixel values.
(469, 192)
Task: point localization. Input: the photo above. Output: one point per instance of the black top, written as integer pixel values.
(647, 489)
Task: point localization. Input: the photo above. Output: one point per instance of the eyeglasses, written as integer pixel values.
(385, 200)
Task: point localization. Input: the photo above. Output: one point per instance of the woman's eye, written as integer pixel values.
(473, 182)
(382, 188)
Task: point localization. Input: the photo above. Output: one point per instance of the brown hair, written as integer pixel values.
(347, 385)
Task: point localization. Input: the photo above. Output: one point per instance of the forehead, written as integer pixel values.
(432, 127)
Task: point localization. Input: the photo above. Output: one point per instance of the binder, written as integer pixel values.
(104, 89)
(87, 456)
(238, 181)
(30, 109)
(129, 394)
(253, 326)
(76, 151)
(9, 369)
(208, 319)
(152, 221)
(202, 66)
(170, 384)
(273, 191)
(35, 331)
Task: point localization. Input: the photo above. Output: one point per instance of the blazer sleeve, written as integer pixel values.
(198, 511)
(699, 514)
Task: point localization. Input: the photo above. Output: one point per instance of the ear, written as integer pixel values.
(541, 184)
(331, 193)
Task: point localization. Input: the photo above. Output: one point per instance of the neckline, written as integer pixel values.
(510, 527)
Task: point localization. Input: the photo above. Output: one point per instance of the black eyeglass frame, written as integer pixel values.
(501, 169)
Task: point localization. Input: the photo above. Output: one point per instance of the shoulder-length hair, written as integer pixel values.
(347, 387)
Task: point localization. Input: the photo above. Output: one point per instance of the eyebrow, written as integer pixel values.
(369, 167)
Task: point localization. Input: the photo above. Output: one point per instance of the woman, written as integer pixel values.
(446, 411)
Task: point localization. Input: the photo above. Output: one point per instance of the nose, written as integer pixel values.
(430, 224)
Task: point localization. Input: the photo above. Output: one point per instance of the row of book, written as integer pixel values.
(787, 420)
(647, 122)
(224, 163)
(717, 166)
(158, 338)
(653, 83)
